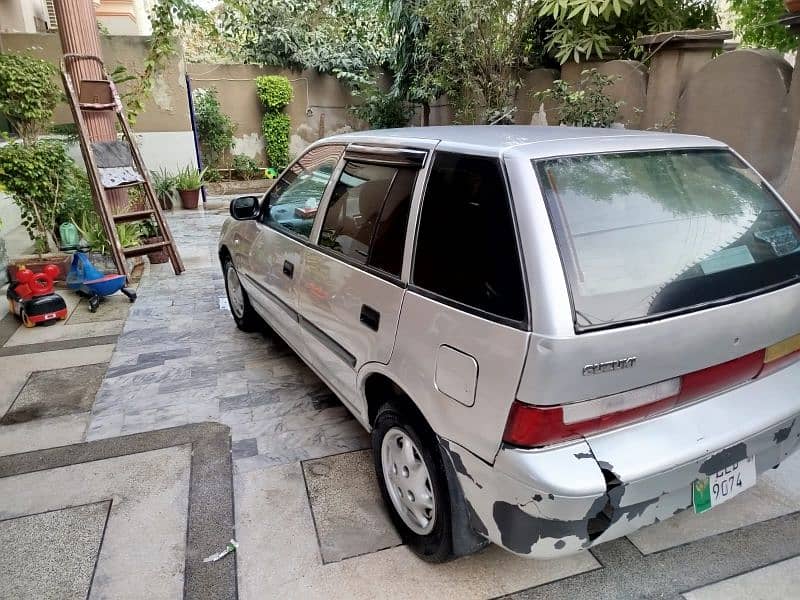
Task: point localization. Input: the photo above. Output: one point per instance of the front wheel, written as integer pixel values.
(243, 312)
(413, 484)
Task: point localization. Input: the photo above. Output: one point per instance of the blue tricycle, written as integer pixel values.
(88, 281)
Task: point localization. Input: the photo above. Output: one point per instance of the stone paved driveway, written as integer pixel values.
(308, 519)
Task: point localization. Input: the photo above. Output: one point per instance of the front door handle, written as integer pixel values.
(370, 317)
(288, 269)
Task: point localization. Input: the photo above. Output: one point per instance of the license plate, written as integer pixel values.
(715, 489)
(49, 316)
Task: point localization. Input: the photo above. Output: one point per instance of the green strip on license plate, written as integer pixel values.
(701, 495)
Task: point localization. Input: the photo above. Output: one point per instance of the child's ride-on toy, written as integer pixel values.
(32, 299)
(88, 281)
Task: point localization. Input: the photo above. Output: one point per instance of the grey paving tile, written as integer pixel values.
(76, 388)
(244, 448)
(349, 515)
(54, 552)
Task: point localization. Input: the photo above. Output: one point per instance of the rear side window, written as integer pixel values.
(367, 215)
(466, 245)
(645, 234)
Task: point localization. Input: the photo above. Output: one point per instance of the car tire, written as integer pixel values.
(431, 541)
(243, 312)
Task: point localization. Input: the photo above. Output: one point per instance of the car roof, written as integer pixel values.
(526, 139)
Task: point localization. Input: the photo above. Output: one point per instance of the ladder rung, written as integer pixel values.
(138, 215)
(145, 249)
(97, 106)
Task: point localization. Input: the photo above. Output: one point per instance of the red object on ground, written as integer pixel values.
(31, 296)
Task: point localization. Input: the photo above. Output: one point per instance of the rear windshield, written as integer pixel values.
(647, 234)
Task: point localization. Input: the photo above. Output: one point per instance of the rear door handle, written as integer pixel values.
(370, 317)
(288, 269)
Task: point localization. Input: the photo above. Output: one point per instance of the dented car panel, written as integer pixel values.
(524, 510)
(555, 501)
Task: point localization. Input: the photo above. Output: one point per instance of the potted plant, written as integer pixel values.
(188, 183)
(150, 235)
(164, 187)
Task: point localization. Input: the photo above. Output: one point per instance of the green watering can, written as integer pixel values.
(69, 236)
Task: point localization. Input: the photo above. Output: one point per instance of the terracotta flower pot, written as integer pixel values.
(189, 198)
(159, 257)
(792, 6)
(36, 264)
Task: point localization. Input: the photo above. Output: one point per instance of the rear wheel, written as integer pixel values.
(413, 484)
(243, 312)
(26, 320)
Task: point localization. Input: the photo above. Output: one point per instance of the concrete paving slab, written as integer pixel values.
(776, 493)
(14, 370)
(113, 308)
(346, 504)
(8, 322)
(142, 555)
(43, 433)
(627, 573)
(279, 556)
(62, 330)
(51, 555)
(55, 393)
(778, 580)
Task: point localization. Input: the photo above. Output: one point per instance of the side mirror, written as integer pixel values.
(245, 208)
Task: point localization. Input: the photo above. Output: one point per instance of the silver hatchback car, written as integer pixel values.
(555, 335)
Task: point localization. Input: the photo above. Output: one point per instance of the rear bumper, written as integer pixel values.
(556, 501)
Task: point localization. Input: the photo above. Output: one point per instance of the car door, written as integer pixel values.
(351, 291)
(463, 331)
(287, 218)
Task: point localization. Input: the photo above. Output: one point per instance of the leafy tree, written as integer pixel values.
(214, 128)
(588, 28)
(755, 22)
(28, 94)
(411, 58)
(476, 50)
(345, 38)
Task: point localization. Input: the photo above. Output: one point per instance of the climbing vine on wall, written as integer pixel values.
(275, 93)
(166, 16)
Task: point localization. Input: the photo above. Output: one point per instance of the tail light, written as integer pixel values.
(531, 426)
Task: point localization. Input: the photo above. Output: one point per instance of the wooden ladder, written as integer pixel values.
(115, 165)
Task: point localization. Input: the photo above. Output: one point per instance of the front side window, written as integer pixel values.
(643, 234)
(466, 245)
(367, 215)
(293, 200)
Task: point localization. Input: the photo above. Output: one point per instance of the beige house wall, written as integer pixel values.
(164, 126)
(167, 110)
(22, 16)
(320, 106)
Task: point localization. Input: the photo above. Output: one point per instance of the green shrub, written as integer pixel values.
(38, 177)
(214, 128)
(28, 94)
(276, 127)
(585, 104)
(77, 197)
(383, 110)
(274, 91)
(245, 167)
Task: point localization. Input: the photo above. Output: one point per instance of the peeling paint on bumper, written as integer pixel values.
(549, 503)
